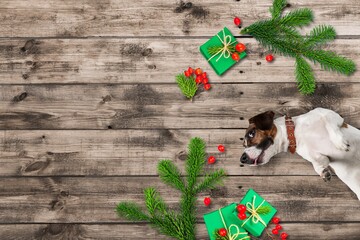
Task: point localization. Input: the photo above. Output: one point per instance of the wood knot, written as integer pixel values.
(147, 52)
(20, 97)
(36, 166)
(28, 45)
(182, 155)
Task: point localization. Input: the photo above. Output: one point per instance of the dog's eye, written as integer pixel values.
(251, 134)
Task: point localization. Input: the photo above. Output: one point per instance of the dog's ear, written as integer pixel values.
(263, 121)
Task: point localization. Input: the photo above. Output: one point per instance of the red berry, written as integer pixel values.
(278, 227)
(276, 220)
(221, 148)
(222, 232)
(211, 160)
(240, 47)
(207, 86)
(237, 21)
(187, 74)
(198, 79)
(275, 231)
(207, 201)
(242, 216)
(241, 208)
(198, 71)
(205, 80)
(204, 75)
(235, 56)
(269, 58)
(284, 235)
(190, 70)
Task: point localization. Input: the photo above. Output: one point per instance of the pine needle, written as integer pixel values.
(277, 8)
(211, 180)
(131, 211)
(187, 85)
(297, 18)
(170, 174)
(320, 35)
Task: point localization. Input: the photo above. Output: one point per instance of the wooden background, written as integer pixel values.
(88, 105)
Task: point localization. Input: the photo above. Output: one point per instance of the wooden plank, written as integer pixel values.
(162, 106)
(155, 18)
(143, 60)
(92, 200)
(126, 152)
(304, 231)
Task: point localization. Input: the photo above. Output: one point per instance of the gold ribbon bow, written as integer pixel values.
(255, 217)
(228, 229)
(225, 51)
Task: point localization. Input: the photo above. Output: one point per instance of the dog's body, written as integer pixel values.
(322, 138)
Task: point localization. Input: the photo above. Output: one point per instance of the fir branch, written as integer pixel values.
(215, 49)
(320, 35)
(277, 8)
(263, 210)
(331, 61)
(180, 225)
(297, 18)
(304, 76)
(280, 36)
(195, 161)
(131, 211)
(211, 181)
(170, 174)
(187, 85)
(154, 202)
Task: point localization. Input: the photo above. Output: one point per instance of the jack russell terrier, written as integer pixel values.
(320, 136)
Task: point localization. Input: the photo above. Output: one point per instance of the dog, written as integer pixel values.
(320, 136)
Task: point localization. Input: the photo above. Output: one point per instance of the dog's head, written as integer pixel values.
(259, 139)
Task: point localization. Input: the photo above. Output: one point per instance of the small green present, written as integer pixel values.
(221, 60)
(223, 218)
(258, 211)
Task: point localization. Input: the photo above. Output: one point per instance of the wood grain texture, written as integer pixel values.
(143, 60)
(304, 231)
(126, 152)
(155, 18)
(92, 200)
(145, 106)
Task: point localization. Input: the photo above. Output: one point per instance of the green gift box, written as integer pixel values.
(224, 218)
(259, 213)
(221, 61)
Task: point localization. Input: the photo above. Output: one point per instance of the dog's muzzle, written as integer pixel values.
(245, 159)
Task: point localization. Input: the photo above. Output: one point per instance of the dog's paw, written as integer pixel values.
(326, 175)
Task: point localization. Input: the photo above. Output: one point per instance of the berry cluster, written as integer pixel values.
(238, 48)
(277, 228)
(201, 77)
(222, 232)
(241, 209)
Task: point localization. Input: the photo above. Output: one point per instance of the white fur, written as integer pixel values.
(321, 140)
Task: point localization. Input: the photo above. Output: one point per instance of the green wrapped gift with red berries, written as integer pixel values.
(254, 213)
(222, 51)
(223, 225)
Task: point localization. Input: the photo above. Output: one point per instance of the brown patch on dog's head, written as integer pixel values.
(261, 131)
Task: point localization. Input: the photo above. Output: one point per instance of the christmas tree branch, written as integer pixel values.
(187, 85)
(131, 211)
(280, 36)
(304, 76)
(211, 180)
(277, 8)
(170, 175)
(195, 161)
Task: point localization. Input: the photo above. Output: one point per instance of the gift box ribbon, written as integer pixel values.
(224, 51)
(228, 229)
(255, 217)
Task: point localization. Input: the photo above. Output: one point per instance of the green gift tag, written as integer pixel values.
(220, 61)
(223, 218)
(259, 213)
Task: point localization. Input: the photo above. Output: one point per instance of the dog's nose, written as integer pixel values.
(244, 158)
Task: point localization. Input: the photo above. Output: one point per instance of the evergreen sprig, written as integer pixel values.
(187, 85)
(281, 36)
(181, 224)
